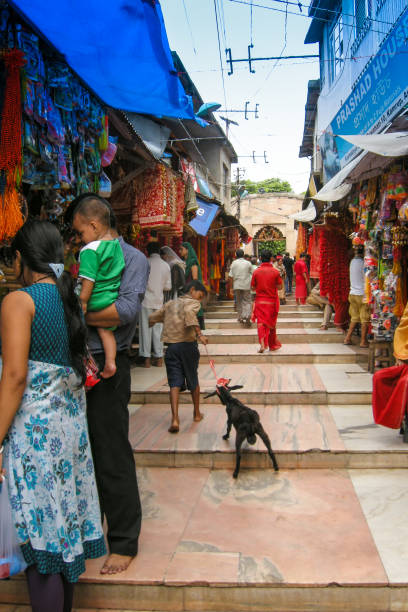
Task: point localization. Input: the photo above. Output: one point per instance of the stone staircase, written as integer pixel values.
(325, 533)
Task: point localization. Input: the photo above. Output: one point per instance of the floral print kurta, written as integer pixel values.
(50, 472)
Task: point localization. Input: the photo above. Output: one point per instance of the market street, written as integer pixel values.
(330, 526)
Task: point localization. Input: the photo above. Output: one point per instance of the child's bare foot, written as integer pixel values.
(198, 417)
(109, 370)
(174, 427)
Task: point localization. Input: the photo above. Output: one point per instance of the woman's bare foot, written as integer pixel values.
(109, 369)
(198, 417)
(115, 564)
(261, 350)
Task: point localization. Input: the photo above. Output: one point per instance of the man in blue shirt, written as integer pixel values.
(107, 408)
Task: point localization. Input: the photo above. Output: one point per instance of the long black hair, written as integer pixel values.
(40, 243)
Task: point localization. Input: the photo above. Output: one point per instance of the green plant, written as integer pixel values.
(277, 247)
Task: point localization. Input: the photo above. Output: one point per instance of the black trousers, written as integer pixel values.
(108, 422)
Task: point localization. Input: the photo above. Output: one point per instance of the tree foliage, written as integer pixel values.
(277, 247)
(271, 185)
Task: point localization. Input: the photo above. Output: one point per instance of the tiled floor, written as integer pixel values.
(298, 527)
(290, 429)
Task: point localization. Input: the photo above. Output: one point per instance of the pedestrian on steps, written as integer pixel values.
(266, 281)
(192, 272)
(107, 408)
(241, 274)
(302, 279)
(181, 331)
(47, 456)
(288, 263)
(150, 344)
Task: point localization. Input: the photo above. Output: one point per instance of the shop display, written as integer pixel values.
(53, 131)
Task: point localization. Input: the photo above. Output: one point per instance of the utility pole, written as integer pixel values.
(238, 177)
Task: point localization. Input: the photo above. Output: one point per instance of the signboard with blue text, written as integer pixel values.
(205, 215)
(379, 95)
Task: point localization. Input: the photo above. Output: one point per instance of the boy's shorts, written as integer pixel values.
(358, 310)
(181, 361)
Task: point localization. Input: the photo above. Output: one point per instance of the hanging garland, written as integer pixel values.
(334, 266)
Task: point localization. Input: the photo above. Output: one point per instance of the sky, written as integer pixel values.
(280, 89)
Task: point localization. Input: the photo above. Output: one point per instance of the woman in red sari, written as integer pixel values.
(302, 278)
(266, 281)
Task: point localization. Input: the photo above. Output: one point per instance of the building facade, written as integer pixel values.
(363, 87)
(266, 216)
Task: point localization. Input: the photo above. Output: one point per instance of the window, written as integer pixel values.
(362, 11)
(225, 180)
(336, 47)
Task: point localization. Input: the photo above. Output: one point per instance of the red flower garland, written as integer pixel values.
(334, 266)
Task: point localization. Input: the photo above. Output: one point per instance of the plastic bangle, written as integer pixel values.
(1, 449)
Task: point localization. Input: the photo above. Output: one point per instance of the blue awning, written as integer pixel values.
(118, 47)
(205, 215)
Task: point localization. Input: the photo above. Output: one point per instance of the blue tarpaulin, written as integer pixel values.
(118, 47)
(204, 217)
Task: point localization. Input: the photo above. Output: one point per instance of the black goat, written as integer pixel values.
(245, 421)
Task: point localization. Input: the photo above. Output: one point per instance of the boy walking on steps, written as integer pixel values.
(101, 264)
(181, 330)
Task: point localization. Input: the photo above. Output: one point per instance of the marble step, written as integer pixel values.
(285, 334)
(305, 540)
(302, 437)
(289, 353)
(282, 308)
(312, 322)
(266, 383)
(291, 313)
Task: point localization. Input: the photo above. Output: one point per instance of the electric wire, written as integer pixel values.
(327, 10)
(272, 8)
(251, 24)
(189, 27)
(281, 53)
(220, 56)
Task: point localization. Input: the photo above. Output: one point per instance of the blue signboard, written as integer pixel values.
(205, 215)
(380, 94)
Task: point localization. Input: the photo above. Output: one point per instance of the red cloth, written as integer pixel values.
(300, 268)
(341, 314)
(390, 396)
(266, 280)
(315, 254)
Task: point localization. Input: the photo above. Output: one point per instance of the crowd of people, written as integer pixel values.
(54, 438)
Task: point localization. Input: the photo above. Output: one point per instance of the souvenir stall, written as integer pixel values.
(150, 206)
(54, 138)
(225, 237)
(380, 214)
(54, 133)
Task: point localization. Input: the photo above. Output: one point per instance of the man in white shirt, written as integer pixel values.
(150, 344)
(359, 310)
(241, 273)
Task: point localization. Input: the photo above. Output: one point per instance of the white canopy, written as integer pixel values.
(309, 214)
(393, 144)
(336, 188)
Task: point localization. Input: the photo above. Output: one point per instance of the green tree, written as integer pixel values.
(277, 247)
(271, 185)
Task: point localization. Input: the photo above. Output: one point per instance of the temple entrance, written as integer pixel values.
(271, 238)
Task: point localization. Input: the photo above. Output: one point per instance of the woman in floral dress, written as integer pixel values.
(43, 430)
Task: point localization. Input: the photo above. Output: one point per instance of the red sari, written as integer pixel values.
(266, 281)
(300, 269)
